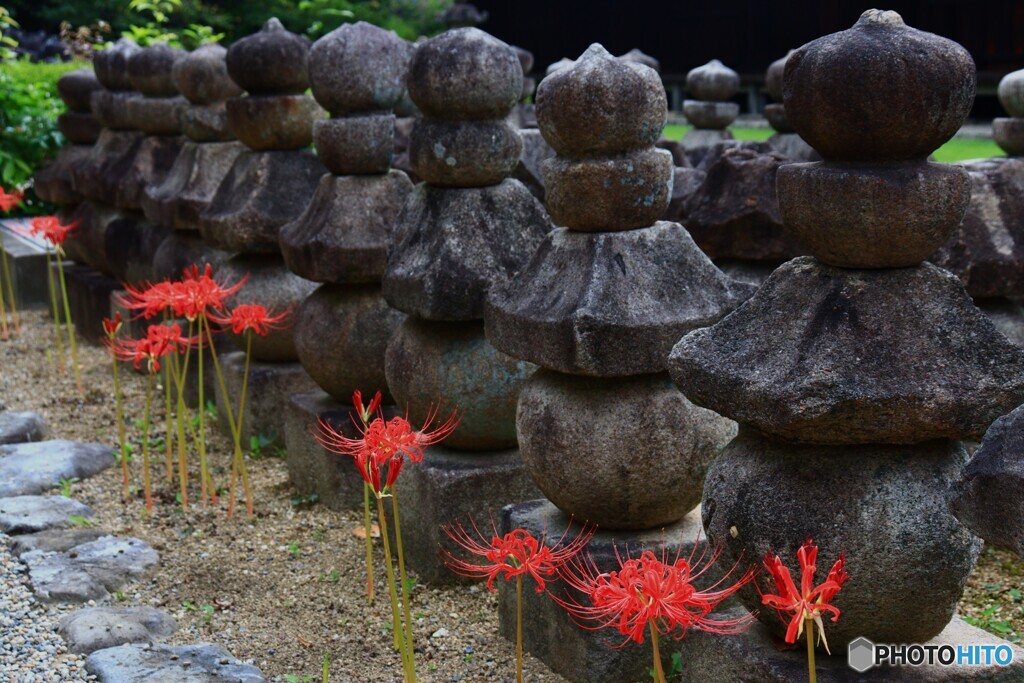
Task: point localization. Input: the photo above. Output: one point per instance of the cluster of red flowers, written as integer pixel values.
(380, 452)
(51, 229)
(160, 340)
(810, 601)
(10, 200)
(195, 295)
(517, 553)
(652, 592)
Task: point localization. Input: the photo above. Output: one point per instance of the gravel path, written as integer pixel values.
(30, 649)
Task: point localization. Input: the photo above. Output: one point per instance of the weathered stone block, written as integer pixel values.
(270, 385)
(756, 657)
(550, 634)
(89, 293)
(450, 485)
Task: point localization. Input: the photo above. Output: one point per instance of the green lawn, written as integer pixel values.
(954, 150)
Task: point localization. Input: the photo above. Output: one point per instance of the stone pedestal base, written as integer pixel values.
(270, 384)
(448, 486)
(549, 633)
(89, 294)
(312, 469)
(794, 147)
(697, 142)
(26, 261)
(753, 657)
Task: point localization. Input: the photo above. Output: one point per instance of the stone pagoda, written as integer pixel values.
(785, 140)
(79, 128)
(269, 184)
(357, 73)
(604, 433)
(987, 250)
(855, 373)
(464, 230)
(710, 111)
(204, 161)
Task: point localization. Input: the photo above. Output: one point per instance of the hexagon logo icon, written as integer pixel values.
(861, 654)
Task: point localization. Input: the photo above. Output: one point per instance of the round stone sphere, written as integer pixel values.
(774, 76)
(464, 153)
(149, 70)
(880, 91)
(873, 217)
(429, 361)
(273, 121)
(713, 82)
(272, 285)
(885, 506)
(636, 55)
(111, 64)
(341, 333)
(202, 75)
(271, 61)
(525, 59)
(358, 68)
(465, 75)
(601, 105)
(76, 88)
(1008, 133)
(1011, 93)
(622, 453)
(182, 249)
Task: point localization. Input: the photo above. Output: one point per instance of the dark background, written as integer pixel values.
(748, 35)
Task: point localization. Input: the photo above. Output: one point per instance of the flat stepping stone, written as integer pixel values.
(22, 426)
(54, 540)
(98, 628)
(29, 514)
(30, 468)
(170, 664)
(90, 571)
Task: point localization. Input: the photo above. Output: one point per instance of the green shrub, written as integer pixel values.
(29, 107)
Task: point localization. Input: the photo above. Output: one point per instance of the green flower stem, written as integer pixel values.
(368, 524)
(4, 331)
(70, 323)
(238, 424)
(396, 619)
(120, 424)
(169, 450)
(179, 380)
(659, 672)
(56, 309)
(236, 433)
(145, 444)
(405, 583)
(811, 671)
(10, 292)
(519, 628)
(204, 471)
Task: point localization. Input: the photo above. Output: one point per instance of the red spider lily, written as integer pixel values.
(160, 340)
(200, 294)
(111, 326)
(811, 601)
(386, 444)
(515, 554)
(149, 300)
(10, 200)
(365, 412)
(51, 230)
(651, 592)
(252, 317)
